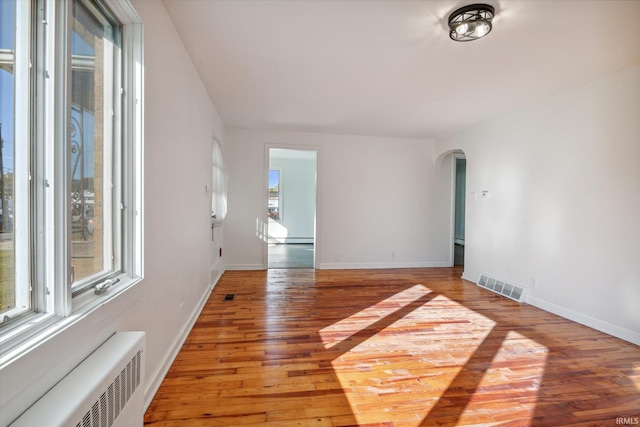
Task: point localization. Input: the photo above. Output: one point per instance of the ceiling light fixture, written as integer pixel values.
(470, 22)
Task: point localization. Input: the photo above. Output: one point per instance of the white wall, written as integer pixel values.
(179, 257)
(375, 196)
(564, 183)
(298, 196)
(181, 260)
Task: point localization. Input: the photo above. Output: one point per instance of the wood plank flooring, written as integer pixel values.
(390, 348)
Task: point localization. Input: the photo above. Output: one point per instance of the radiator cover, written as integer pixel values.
(105, 390)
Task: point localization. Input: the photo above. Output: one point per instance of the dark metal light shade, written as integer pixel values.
(470, 22)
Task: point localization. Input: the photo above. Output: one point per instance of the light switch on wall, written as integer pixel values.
(485, 194)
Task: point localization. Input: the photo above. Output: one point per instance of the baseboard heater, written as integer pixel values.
(106, 389)
(501, 287)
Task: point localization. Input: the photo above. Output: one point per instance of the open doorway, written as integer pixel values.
(459, 208)
(291, 208)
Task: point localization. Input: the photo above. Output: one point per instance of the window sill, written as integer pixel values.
(89, 300)
(38, 328)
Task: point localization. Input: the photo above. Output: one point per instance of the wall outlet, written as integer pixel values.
(393, 255)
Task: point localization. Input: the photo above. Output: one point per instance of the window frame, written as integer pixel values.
(111, 157)
(45, 258)
(21, 162)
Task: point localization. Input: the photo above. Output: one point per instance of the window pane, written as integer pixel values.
(219, 185)
(7, 144)
(274, 194)
(91, 140)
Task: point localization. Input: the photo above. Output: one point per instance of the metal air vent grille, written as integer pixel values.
(502, 287)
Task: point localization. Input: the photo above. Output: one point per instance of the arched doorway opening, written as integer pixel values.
(455, 161)
(459, 208)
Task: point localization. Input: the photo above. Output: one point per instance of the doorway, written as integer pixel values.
(459, 209)
(291, 208)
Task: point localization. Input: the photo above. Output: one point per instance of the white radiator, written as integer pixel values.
(106, 389)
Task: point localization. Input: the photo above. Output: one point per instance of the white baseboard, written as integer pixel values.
(154, 381)
(597, 324)
(469, 278)
(351, 265)
(583, 319)
(379, 265)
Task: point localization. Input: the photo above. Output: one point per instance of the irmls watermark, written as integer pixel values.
(628, 421)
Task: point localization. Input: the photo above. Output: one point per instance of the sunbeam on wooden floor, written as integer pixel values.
(410, 347)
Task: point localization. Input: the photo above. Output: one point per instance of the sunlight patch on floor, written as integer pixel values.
(635, 375)
(345, 328)
(513, 379)
(382, 383)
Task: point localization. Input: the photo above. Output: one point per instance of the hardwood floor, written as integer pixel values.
(390, 348)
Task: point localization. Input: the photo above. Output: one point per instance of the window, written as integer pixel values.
(13, 299)
(70, 189)
(94, 79)
(219, 185)
(275, 194)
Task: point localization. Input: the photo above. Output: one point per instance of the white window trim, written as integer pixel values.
(23, 335)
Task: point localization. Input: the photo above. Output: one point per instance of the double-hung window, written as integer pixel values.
(70, 159)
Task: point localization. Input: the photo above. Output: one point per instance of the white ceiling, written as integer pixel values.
(388, 68)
